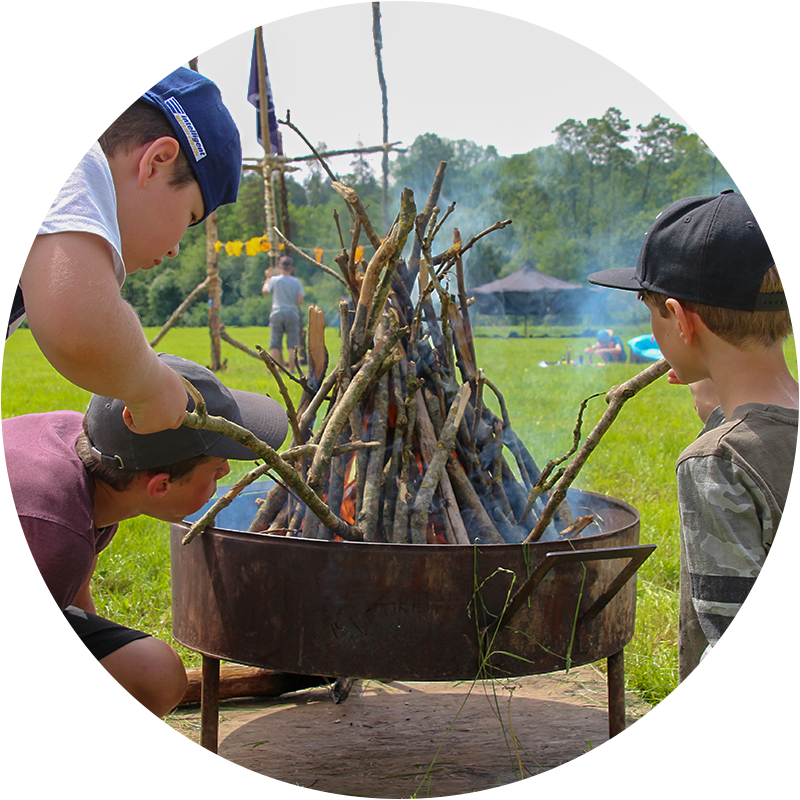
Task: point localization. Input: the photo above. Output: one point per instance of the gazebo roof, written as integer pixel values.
(526, 279)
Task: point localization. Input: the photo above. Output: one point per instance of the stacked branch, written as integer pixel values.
(393, 440)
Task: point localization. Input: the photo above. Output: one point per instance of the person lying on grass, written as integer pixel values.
(75, 477)
(720, 317)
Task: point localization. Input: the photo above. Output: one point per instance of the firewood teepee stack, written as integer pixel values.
(393, 441)
(407, 382)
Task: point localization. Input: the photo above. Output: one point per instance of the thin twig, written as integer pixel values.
(290, 124)
(272, 366)
(318, 264)
(458, 249)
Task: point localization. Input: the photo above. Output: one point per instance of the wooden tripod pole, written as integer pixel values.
(378, 41)
(268, 163)
(212, 264)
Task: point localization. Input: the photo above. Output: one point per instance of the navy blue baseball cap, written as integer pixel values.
(707, 249)
(118, 447)
(206, 132)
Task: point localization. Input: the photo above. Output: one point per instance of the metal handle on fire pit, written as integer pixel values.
(636, 553)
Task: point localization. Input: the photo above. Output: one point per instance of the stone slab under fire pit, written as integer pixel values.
(382, 739)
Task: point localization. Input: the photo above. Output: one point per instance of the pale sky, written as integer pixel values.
(497, 73)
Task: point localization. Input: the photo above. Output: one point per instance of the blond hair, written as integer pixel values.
(744, 329)
(121, 121)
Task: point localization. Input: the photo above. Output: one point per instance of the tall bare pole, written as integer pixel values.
(378, 39)
(212, 279)
(269, 163)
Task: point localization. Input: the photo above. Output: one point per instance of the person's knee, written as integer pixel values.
(22, 602)
(171, 681)
(160, 678)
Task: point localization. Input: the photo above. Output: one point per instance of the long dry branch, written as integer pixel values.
(226, 337)
(350, 196)
(201, 419)
(436, 466)
(358, 385)
(616, 399)
(272, 366)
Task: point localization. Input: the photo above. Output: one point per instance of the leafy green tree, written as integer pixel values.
(657, 150)
(417, 167)
(571, 140)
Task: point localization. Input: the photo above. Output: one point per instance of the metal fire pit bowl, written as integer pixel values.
(409, 612)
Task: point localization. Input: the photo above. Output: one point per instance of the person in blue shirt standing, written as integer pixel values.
(287, 297)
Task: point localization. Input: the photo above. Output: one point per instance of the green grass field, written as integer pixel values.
(634, 462)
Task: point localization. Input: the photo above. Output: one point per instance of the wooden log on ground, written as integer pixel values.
(236, 680)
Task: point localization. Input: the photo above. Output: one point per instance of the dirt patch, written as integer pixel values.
(404, 738)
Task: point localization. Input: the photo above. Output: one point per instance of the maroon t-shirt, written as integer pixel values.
(54, 496)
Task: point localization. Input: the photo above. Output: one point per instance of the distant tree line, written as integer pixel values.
(578, 205)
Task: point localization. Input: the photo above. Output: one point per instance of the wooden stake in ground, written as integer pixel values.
(268, 164)
(378, 40)
(212, 267)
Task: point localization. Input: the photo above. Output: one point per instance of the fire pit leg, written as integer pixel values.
(616, 693)
(209, 704)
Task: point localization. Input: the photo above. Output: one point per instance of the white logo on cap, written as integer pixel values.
(192, 136)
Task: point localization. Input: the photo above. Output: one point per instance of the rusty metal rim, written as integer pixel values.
(594, 539)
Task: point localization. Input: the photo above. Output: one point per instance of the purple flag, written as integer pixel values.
(252, 96)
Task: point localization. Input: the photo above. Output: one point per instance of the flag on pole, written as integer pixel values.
(253, 98)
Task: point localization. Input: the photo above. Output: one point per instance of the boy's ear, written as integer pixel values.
(685, 320)
(158, 485)
(157, 157)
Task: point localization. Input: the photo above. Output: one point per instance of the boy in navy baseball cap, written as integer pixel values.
(720, 317)
(166, 163)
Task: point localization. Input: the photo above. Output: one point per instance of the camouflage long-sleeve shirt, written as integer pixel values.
(732, 486)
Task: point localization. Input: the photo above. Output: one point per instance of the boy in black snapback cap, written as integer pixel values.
(75, 477)
(720, 317)
(166, 163)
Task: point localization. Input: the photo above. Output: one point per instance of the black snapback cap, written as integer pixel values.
(707, 249)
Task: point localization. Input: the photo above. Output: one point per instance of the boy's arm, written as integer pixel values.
(83, 599)
(91, 335)
(735, 594)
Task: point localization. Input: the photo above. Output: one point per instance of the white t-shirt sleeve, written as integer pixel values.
(56, 179)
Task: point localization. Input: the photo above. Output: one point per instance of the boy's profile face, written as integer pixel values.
(153, 213)
(185, 496)
(672, 344)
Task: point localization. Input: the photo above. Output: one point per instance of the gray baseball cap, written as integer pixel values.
(120, 447)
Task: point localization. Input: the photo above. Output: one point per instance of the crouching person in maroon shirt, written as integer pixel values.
(75, 477)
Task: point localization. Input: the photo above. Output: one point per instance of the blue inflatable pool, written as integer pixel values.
(644, 348)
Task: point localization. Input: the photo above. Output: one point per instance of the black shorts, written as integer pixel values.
(79, 640)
